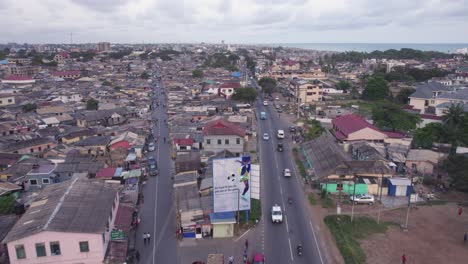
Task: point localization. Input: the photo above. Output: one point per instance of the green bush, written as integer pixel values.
(7, 204)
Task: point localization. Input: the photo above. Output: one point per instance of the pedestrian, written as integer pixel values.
(231, 259)
(465, 237)
(403, 259)
(460, 210)
(246, 244)
(137, 255)
(149, 237)
(144, 238)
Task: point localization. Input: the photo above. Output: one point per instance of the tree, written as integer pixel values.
(391, 116)
(106, 83)
(268, 85)
(92, 104)
(456, 166)
(455, 123)
(343, 85)
(197, 73)
(247, 94)
(143, 56)
(118, 88)
(402, 96)
(144, 75)
(376, 89)
(29, 107)
(313, 130)
(426, 136)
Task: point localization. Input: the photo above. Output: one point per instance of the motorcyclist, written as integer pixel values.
(299, 249)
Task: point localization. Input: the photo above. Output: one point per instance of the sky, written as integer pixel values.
(234, 21)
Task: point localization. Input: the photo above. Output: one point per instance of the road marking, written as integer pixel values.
(316, 243)
(156, 197)
(237, 239)
(287, 226)
(290, 249)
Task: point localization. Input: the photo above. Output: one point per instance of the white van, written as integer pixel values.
(280, 134)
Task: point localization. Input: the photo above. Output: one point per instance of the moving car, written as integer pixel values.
(258, 259)
(280, 147)
(265, 103)
(276, 214)
(292, 129)
(151, 146)
(287, 173)
(262, 116)
(280, 134)
(362, 199)
(276, 98)
(153, 167)
(266, 136)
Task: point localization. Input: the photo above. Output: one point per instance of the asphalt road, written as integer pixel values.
(281, 240)
(158, 212)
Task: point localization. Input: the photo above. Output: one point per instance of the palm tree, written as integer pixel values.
(453, 123)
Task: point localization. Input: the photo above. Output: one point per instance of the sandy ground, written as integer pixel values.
(435, 235)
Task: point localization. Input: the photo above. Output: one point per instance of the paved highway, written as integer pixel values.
(281, 240)
(158, 211)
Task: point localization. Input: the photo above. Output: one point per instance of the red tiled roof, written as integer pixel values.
(433, 117)
(63, 53)
(288, 63)
(123, 219)
(106, 173)
(17, 78)
(351, 123)
(223, 127)
(183, 141)
(121, 144)
(394, 135)
(66, 73)
(408, 107)
(230, 85)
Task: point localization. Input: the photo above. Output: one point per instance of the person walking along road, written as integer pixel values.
(403, 259)
(465, 237)
(149, 237)
(144, 238)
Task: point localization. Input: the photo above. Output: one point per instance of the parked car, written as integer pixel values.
(258, 259)
(362, 199)
(287, 173)
(265, 103)
(266, 136)
(151, 146)
(276, 214)
(292, 129)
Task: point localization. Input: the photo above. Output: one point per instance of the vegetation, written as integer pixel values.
(106, 83)
(144, 56)
(402, 96)
(326, 200)
(145, 75)
(92, 104)
(391, 116)
(299, 163)
(268, 85)
(376, 89)
(426, 136)
(407, 74)
(84, 56)
(255, 212)
(312, 199)
(313, 130)
(357, 57)
(117, 88)
(29, 107)
(456, 166)
(222, 60)
(165, 54)
(7, 204)
(247, 95)
(343, 85)
(197, 73)
(347, 234)
(120, 54)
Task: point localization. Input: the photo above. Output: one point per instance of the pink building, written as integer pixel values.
(68, 222)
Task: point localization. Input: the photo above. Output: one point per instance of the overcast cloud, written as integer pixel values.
(235, 21)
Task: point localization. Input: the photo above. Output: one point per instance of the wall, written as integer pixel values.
(232, 147)
(417, 104)
(349, 189)
(223, 230)
(423, 167)
(69, 247)
(36, 148)
(4, 101)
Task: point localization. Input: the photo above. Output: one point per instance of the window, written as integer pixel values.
(84, 246)
(10, 100)
(45, 181)
(40, 250)
(33, 182)
(31, 150)
(226, 141)
(237, 141)
(20, 252)
(39, 148)
(55, 248)
(219, 142)
(208, 141)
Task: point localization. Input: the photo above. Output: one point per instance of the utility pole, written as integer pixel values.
(409, 202)
(238, 207)
(380, 198)
(354, 195)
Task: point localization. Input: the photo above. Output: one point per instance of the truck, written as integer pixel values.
(215, 259)
(262, 115)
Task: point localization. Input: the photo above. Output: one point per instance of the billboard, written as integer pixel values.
(231, 184)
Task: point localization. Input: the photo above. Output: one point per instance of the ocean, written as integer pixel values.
(369, 47)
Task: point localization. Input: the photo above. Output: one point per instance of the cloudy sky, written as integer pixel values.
(235, 21)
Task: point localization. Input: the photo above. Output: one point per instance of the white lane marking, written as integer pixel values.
(156, 197)
(286, 221)
(316, 243)
(290, 249)
(245, 233)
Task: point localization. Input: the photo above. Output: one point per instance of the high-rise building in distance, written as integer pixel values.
(103, 46)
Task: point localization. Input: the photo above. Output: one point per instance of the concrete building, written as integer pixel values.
(6, 100)
(103, 46)
(306, 91)
(222, 135)
(69, 222)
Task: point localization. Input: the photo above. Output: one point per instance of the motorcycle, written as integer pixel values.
(299, 250)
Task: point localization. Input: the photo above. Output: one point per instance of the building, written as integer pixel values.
(227, 89)
(30, 146)
(18, 80)
(67, 74)
(222, 135)
(6, 100)
(103, 46)
(61, 57)
(22, 70)
(353, 128)
(424, 98)
(423, 161)
(306, 91)
(69, 222)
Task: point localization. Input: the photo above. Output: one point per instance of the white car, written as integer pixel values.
(362, 199)
(151, 146)
(276, 214)
(266, 136)
(287, 173)
(280, 134)
(265, 103)
(276, 98)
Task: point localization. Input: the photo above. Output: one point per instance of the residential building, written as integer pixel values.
(353, 127)
(227, 89)
(424, 98)
(222, 135)
(423, 161)
(67, 74)
(306, 91)
(61, 57)
(6, 100)
(18, 80)
(29, 146)
(103, 46)
(69, 222)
